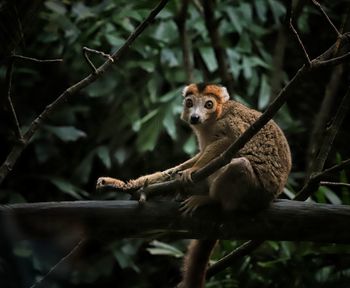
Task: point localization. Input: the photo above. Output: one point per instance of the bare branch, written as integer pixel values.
(97, 52)
(306, 56)
(75, 249)
(331, 62)
(86, 56)
(15, 121)
(318, 5)
(327, 183)
(21, 57)
(336, 168)
(295, 33)
(236, 254)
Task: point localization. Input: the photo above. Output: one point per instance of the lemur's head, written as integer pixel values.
(203, 103)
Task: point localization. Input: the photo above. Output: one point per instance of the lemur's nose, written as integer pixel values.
(194, 119)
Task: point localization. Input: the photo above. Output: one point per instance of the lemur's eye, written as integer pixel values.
(188, 103)
(209, 104)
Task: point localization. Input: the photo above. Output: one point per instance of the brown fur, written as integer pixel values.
(250, 181)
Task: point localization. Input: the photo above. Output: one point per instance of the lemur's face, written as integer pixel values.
(203, 103)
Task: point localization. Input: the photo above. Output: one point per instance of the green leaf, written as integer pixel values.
(121, 154)
(264, 93)
(190, 146)
(330, 195)
(23, 249)
(103, 154)
(161, 248)
(288, 193)
(103, 87)
(245, 44)
(247, 68)
(169, 124)
(234, 18)
(56, 6)
(114, 40)
(67, 187)
(208, 55)
(261, 9)
(277, 10)
(66, 133)
(151, 125)
(81, 11)
(168, 57)
(82, 172)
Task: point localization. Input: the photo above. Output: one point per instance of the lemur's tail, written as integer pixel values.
(196, 263)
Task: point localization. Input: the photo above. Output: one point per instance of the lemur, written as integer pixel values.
(253, 178)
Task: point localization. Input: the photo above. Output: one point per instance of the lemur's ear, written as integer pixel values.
(224, 94)
(184, 91)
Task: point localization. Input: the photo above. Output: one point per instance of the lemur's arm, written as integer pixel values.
(210, 152)
(135, 184)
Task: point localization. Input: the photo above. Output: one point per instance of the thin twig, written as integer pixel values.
(94, 71)
(35, 59)
(318, 5)
(59, 263)
(327, 183)
(306, 55)
(97, 52)
(331, 62)
(336, 168)
(86, 56)
(15, 121)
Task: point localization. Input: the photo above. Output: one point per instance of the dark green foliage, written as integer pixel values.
(127, 124)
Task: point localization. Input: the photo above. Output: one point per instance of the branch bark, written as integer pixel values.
(283, 220)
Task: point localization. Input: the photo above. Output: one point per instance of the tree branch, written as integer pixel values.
(212, 25)
(69, 92)
(318, 5)
(180, 20)
(283, 220)
(9, 73)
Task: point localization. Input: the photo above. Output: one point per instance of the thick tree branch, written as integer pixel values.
(283, 220)
(69, 92)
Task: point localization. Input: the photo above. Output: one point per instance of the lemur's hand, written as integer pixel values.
(107, 182)
(186, 175)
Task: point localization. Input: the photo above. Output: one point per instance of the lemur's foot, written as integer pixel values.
(107, 182)
(192, 203)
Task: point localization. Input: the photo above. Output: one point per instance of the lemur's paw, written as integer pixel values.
(186, 175)
(107, 182)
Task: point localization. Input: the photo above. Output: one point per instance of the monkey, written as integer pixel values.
(253, 178)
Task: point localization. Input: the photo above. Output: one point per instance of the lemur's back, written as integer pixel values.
(268, 151)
